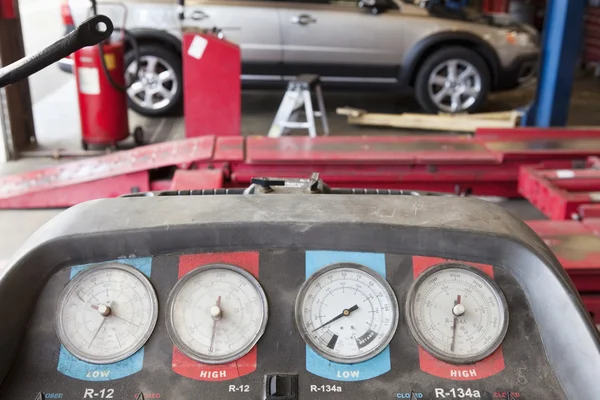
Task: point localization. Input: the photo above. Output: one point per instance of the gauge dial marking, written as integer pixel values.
(216, 313)
(341, 333)
(96, 311)
(457, 313)
(332, 342)
(344, 313)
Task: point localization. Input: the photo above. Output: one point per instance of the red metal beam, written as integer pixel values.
(561, 194)
(66, 196)
(369, 150)
(193, 179)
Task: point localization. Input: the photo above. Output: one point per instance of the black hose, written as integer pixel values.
(134, 45)
(136, 51)
(181, 4)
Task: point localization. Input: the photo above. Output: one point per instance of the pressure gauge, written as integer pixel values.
(457, 313)
(216, 313)
(347, 313)
(106, 313)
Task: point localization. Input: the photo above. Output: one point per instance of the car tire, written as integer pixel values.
(433, 78)
(154, 92)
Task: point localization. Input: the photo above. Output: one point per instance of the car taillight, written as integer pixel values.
(65, 13)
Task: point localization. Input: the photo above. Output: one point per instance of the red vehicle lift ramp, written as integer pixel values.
(487, 164)
(100, 177)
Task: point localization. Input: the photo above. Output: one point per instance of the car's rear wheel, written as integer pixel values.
(452, 80)
(157, 90)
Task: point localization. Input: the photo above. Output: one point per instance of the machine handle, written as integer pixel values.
(89, 33)
(303, 19)
(198, 15)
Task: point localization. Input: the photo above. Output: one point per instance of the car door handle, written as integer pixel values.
(198, 15)
(303, 19)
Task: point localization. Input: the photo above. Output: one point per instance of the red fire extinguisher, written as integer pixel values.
(100, 75)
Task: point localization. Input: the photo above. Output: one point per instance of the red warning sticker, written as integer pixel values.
(431, 365)
(185, 366)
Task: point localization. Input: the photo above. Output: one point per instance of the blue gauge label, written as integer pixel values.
(320, 366)
(75, 368)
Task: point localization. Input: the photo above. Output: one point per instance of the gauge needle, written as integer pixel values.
(97, 331)
(105, 312)
(111, 313)
(457, 310)
(216, 314)
(344, 313)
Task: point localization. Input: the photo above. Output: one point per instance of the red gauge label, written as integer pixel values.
(185, 366)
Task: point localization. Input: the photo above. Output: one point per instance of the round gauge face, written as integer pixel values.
(347, 313)
(216, 313)
(457, 313)
(106, 313)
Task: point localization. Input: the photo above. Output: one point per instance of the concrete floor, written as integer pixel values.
(57, 127)
(57, 118)
(258, 109)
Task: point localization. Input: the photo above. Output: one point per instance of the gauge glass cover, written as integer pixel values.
(106, 313)
(347, 313)
(457, 313)
(216, 313)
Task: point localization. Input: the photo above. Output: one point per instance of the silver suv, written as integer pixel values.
(451, 59)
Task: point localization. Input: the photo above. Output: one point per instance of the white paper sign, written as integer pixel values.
(89, 80)
(197, 47)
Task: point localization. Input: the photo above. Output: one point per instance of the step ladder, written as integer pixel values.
(297, 95)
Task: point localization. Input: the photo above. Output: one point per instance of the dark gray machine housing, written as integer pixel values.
(454, 228)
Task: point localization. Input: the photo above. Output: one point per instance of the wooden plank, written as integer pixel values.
(429, 122)
(350, 111)
(454, 122)
(498, 115)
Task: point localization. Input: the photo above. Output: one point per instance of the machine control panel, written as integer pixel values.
(292, 298)
(282, 325)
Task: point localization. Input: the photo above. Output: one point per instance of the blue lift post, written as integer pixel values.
(561, 47)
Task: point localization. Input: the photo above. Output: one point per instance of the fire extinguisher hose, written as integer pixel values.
(136, 53)
(134, 46)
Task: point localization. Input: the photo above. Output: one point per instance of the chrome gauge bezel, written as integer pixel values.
(187, 350)
(420, 338)
(299, 315)
(72, 285)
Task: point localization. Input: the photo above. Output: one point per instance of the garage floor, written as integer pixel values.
(57, 123)
(57, 127)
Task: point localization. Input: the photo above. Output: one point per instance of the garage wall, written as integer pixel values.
(17, 97)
